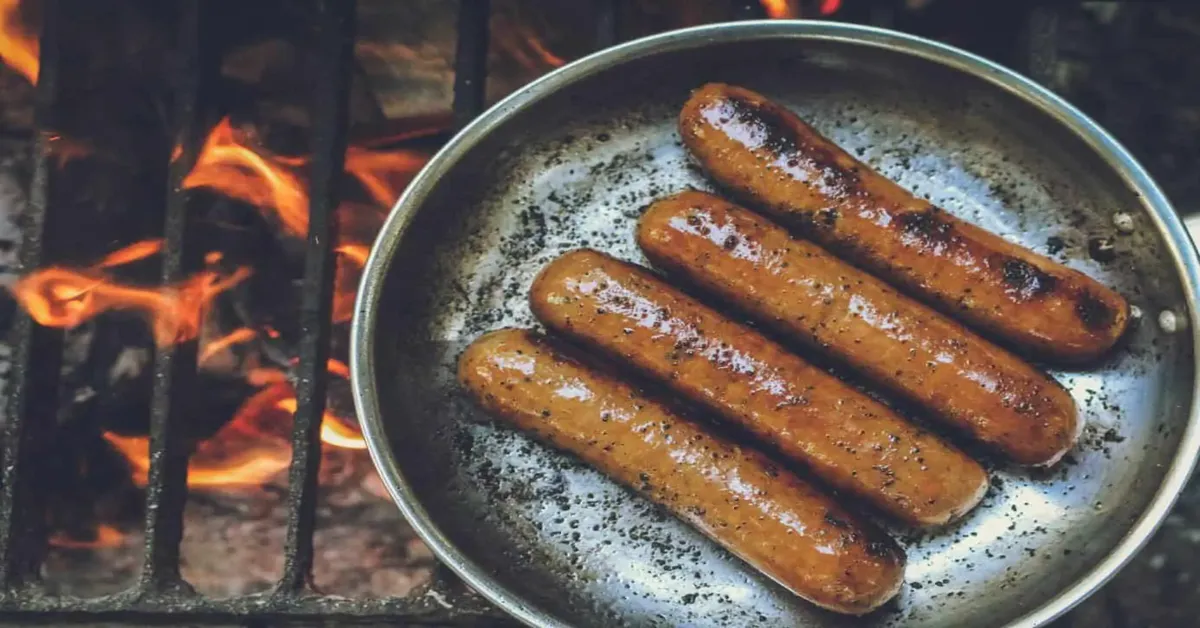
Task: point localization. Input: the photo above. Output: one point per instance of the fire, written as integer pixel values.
(333, 430)
(383, 174)
(829, 7)
(18, 47)
(788, 9)
(228, 164)
(518, 39)
(231, 168)
(249, 450)
(106, 536)
(56, 296)
(251, 462)
(254, 446)
(216, 347)
(339, 369)
(781, 9)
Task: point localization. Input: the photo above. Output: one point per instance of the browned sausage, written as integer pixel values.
(804, 292)
(771, 158)
(851, 441)
(765, 515)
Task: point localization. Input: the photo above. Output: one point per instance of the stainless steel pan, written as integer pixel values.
(570, 160)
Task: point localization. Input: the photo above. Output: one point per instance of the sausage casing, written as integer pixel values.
(853, 442)
(768, 517)
(770, 157)
(803, 292)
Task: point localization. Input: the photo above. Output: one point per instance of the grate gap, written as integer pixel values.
(470, 60)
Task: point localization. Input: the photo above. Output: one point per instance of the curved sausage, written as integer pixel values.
(770, 157)
(854, 443)
(766, 516)
(802, 291)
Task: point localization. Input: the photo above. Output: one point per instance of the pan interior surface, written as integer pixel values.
(576, 165)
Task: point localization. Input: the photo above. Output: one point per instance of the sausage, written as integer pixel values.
(851, 441)
(803, 292)
(770, 158)
(767, 516)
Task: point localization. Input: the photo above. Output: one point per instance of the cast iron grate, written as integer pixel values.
(161, 596)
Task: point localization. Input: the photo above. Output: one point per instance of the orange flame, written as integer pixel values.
(251, 448)
(383, 173)
(18, 47)
(251, 465)
(247, 451)
(61, 297)
(254, 446)
(106, 536)
(131, 253)
(356, 253)
(333, 431)
(229, 167)
(339, 369)
(781, 9)
(787, 9)
(338, 434)
(351, 261)
(518, 39)
(213, 348)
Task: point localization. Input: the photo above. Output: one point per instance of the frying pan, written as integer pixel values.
(570, 161)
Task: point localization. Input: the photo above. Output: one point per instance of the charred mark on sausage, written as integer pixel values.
(1092, 312)
(927, 225)
(777, 137)
(1026, 280)
(881, 548)
(771, 123)
(820, 220)
(836, 521)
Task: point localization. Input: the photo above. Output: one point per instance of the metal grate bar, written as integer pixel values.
(470, 60)
(269, 610)
(37, 350)
(335, 28)
(175, 366)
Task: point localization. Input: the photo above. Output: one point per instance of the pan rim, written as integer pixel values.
(1164, 218)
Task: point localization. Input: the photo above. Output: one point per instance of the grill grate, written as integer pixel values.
(161, 596)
